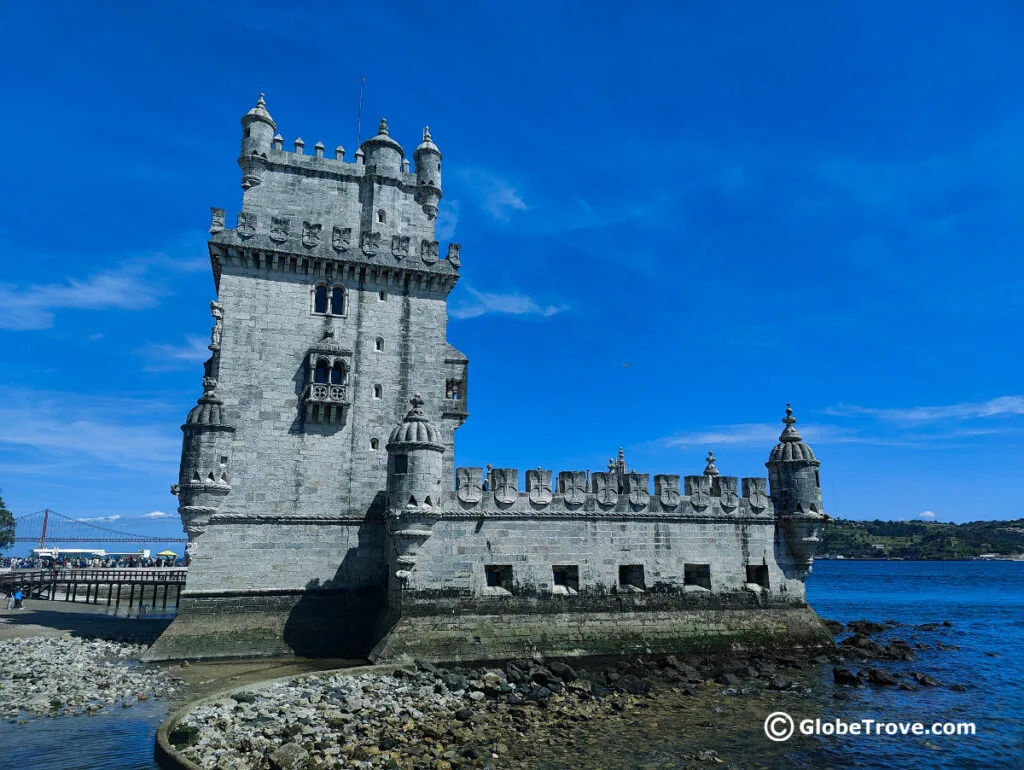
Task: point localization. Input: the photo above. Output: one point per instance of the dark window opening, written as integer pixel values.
(320, 375)
(758, 574)
(338, 301)
(697, 575)
(378, 391)
(320, 300)
(401, 463)
(382, 295)
(566, 576)
(428, 502)
(499, 576)
(379, 344)
(381, 216)
(632, 575)
(453, 389)
(248, 132)
(338, 374)
(412, 501)
(374, 443)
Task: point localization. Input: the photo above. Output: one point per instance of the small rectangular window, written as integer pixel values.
(758, 574)
(697, 575)
(566, 579)
(632, 576)
(499, 576)
(378, 391)
(401, 463)
(382, 295)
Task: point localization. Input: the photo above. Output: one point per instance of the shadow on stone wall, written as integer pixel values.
(340, 617)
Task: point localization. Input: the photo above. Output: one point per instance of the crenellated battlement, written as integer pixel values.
(610, 493)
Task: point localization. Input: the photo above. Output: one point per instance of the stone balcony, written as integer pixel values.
(326, 402)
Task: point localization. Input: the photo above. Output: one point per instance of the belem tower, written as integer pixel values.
(318, 487)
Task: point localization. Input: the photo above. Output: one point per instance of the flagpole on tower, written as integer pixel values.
(359, 119)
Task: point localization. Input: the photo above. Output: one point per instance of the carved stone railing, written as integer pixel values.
(325, 402)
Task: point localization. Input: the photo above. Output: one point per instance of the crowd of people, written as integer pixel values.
(95, 562)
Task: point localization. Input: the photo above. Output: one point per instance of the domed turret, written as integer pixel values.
(383, 152)
(414, 461)
(793, 472)
(257, 130)
(428, 173)
(204, 479)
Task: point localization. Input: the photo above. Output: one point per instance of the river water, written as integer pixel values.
(984, 602)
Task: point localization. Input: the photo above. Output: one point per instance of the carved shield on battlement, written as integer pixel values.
(729, 500)
(246, 227)
(469, 484)
(637, 484)
(428, 251)
(606, 487)
(505, 483)
(754, 489)
(666, 487)
(341, 238)
(698, 488)
(538, 483)
(279, 227)
(311, 234)
(453, 254)
(369, 243)
(572, 485)
(400, 246)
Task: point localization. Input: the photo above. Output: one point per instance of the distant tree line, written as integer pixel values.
(922, 540)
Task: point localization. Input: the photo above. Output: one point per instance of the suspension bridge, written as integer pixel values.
(49, 526)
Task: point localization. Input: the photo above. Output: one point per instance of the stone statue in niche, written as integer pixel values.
(217, 311)
(400, 246)
(453, 254)
(370, 243)
(341, 238)
(572, 485)
(666, 487)
(538, 483)
(246, 227)
(428, 251)
(216, 220)
(279, 229)
(311, 234)
(606, 487)
(637, 485)
(505, 485)
(469, 484)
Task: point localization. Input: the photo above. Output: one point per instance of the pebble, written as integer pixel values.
(60, 676)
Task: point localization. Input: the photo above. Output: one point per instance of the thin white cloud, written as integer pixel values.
(1004, 405)
(113, 517)
(927, 514)
(156, 515)
(502, 304)
(496, 196)
(165, 357)
(447, 219)
(125, 433)
(752, 434)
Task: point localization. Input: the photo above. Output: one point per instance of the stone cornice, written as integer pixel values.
(260, 254)
(275, 518)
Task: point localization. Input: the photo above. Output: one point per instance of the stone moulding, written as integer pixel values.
(609, 515)
(273, 518)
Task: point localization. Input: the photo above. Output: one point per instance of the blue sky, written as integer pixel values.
(674, 218)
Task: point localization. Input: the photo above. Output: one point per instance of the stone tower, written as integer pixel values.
(330, 315)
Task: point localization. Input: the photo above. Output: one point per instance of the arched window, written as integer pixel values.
(321, 373)
(338, 373)
(374, 444)
(381, 216)
(320, 299)
(338, 301)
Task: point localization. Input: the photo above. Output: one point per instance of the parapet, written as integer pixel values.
(605, 493)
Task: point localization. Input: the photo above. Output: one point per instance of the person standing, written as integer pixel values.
(18, 596)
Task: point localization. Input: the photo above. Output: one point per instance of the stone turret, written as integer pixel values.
(383, 153)
(428, 173)
(257, 140)
(795, 489)
(415, 455)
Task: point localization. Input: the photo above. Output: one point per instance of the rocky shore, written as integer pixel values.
(425, 716)
(60, 676)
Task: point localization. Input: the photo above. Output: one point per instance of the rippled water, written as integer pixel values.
(983, 600)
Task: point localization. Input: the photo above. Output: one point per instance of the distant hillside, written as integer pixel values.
(921, 539)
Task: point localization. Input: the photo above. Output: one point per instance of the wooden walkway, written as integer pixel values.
(130, 585)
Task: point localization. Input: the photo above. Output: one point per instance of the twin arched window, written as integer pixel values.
(330, 300)
(325, 373)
